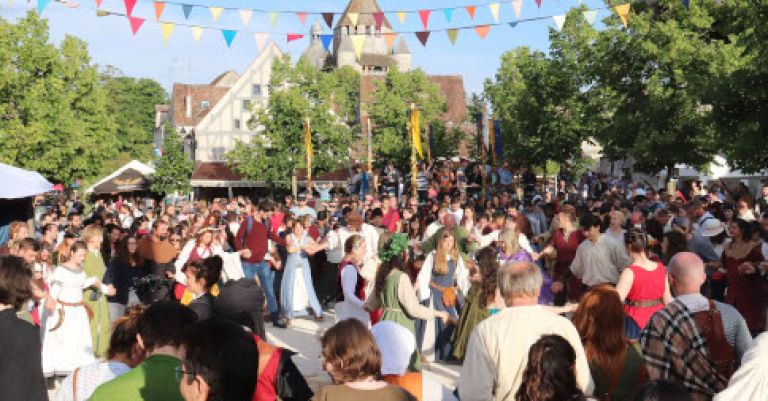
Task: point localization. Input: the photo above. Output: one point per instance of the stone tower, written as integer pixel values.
(316, 53)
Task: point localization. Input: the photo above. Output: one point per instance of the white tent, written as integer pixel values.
(19, 183)
(132, 165)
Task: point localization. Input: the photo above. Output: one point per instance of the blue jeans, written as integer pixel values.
(266, 277)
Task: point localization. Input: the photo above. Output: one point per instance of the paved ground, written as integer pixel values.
(303, 337)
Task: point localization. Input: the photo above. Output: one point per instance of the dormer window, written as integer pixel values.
(205, 105)
(256, 90)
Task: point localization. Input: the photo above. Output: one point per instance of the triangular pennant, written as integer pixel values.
(261, 39)
(135, 24)
(229, 36)
(423, 37)
(197, 32)
(245, 16)
(167, 28)
(328, 18)
(216, 12)
(452, 35)
(494, 7)
(353, 18)
(401, 15)
(623, 11)
(159, 7)
(273, 17)
(482, 31)
(513, 24)
(187, 8)
(293, 36)
(517, 5)
(448, 13)
(390, 38)
(686, 3)
(98, 3)
(302, 17)
(326, 39)
(538, 3)
(559, 21)
(424, 14)
(379, 18)
(129, 4)
(357, 42)
(590, 16)
(471, 10)
(42, 4)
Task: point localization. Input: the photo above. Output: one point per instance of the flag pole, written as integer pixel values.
(308, 146)
(414, 168)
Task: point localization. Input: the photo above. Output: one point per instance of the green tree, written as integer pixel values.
(174, 170)
(298, 92)
(390, 106)
(53, 110)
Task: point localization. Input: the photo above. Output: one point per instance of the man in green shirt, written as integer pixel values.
(160, 328)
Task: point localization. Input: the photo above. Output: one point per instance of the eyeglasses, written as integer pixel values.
(179, 372)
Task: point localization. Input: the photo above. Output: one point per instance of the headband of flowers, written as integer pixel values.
(397, 245)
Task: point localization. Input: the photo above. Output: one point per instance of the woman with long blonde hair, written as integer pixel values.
(442, 278)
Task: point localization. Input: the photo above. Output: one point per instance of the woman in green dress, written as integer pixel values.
(394, 293)
(97, 302)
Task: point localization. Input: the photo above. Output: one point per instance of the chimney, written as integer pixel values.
(188, 105)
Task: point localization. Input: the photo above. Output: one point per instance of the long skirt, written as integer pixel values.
(70, 345)
(297, 294)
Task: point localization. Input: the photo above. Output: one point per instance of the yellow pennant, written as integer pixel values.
(197, 32)
(623, 11)
(353, 17)
(494, 7)
(401, 16)
(390, 38)
(216, 12)
(357, 42)
(167, 28)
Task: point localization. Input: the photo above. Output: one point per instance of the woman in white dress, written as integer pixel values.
(65, 327)
(351, 283)
(297, 291)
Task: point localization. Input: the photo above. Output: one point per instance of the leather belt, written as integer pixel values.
(646, 303)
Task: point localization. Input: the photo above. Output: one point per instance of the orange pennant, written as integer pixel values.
(471, 10)
(482, 31)
(302, 17)
(390, 37)
(159, 7)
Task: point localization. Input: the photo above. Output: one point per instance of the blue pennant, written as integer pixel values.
(229, 36)
(41, 5)
(513, 24)
(327, 38)
(448, 14)
(187, 8)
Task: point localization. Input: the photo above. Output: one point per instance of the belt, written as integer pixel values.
(646, 303)
(62, 314)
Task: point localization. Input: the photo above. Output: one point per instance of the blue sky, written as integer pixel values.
(182, 60)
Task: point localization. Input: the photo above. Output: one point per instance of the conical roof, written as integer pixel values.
(317, 29)
(402, 47)
(365, 10)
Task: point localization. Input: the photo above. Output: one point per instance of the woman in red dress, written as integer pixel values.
(643, 286)
(566, 238)
(747, 291)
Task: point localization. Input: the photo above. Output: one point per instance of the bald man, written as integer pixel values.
(694, 341)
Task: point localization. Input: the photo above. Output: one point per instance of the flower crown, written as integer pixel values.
(397, 245)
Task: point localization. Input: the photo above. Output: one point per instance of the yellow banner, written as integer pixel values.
(416, 131)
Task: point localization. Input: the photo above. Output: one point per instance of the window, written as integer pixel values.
(236, 124)
(256, 89)
(246, 104)
(205, 105)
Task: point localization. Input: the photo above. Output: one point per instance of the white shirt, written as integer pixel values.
(88, 378)
(600, 263)
(431, 230)
(461, 275)
(351, 306)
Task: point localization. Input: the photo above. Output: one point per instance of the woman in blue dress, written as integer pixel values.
(297, 291)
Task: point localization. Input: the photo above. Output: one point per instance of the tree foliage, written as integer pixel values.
(329, 99)
(174, 169)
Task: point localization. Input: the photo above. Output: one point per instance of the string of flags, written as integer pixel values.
(261, 37)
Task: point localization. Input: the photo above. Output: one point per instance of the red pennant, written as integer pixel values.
(129, 4)
(538, 3)
(424, 14)
(135, 24)
(98, 3)
(159, 7)
(302, 17)
(379, 18)
(423, 37)
(471, 10)
(294, 36)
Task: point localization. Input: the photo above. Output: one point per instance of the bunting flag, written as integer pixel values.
(498, 145)
(494, 7)
(401, 16)
(390, 38)
(448, 14)
(294, 36)
(302, 17)
(42, 4)
(517, 5)
(686, 3)
(273, 17)
(379, 18)
(357, 42)
(326, 39)
(98, 3)
(135, 24)
(416, 132)
(353, 18)
(482, 31)
(559, 21)
(229, 36)
(471, 10)
(623, 11)
(167, 29)
(424, 14)
(129, 4)
(308, 148)
(216, 12)
(590, 16)
(187, 8)
(245, 16)
(197, 32)
(261, 39)
(423, 37)
(513, 24)
(452, 35)
(159, 7)
(328, 18)
(538, 3)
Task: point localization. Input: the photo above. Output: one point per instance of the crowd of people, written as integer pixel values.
(584, 289)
